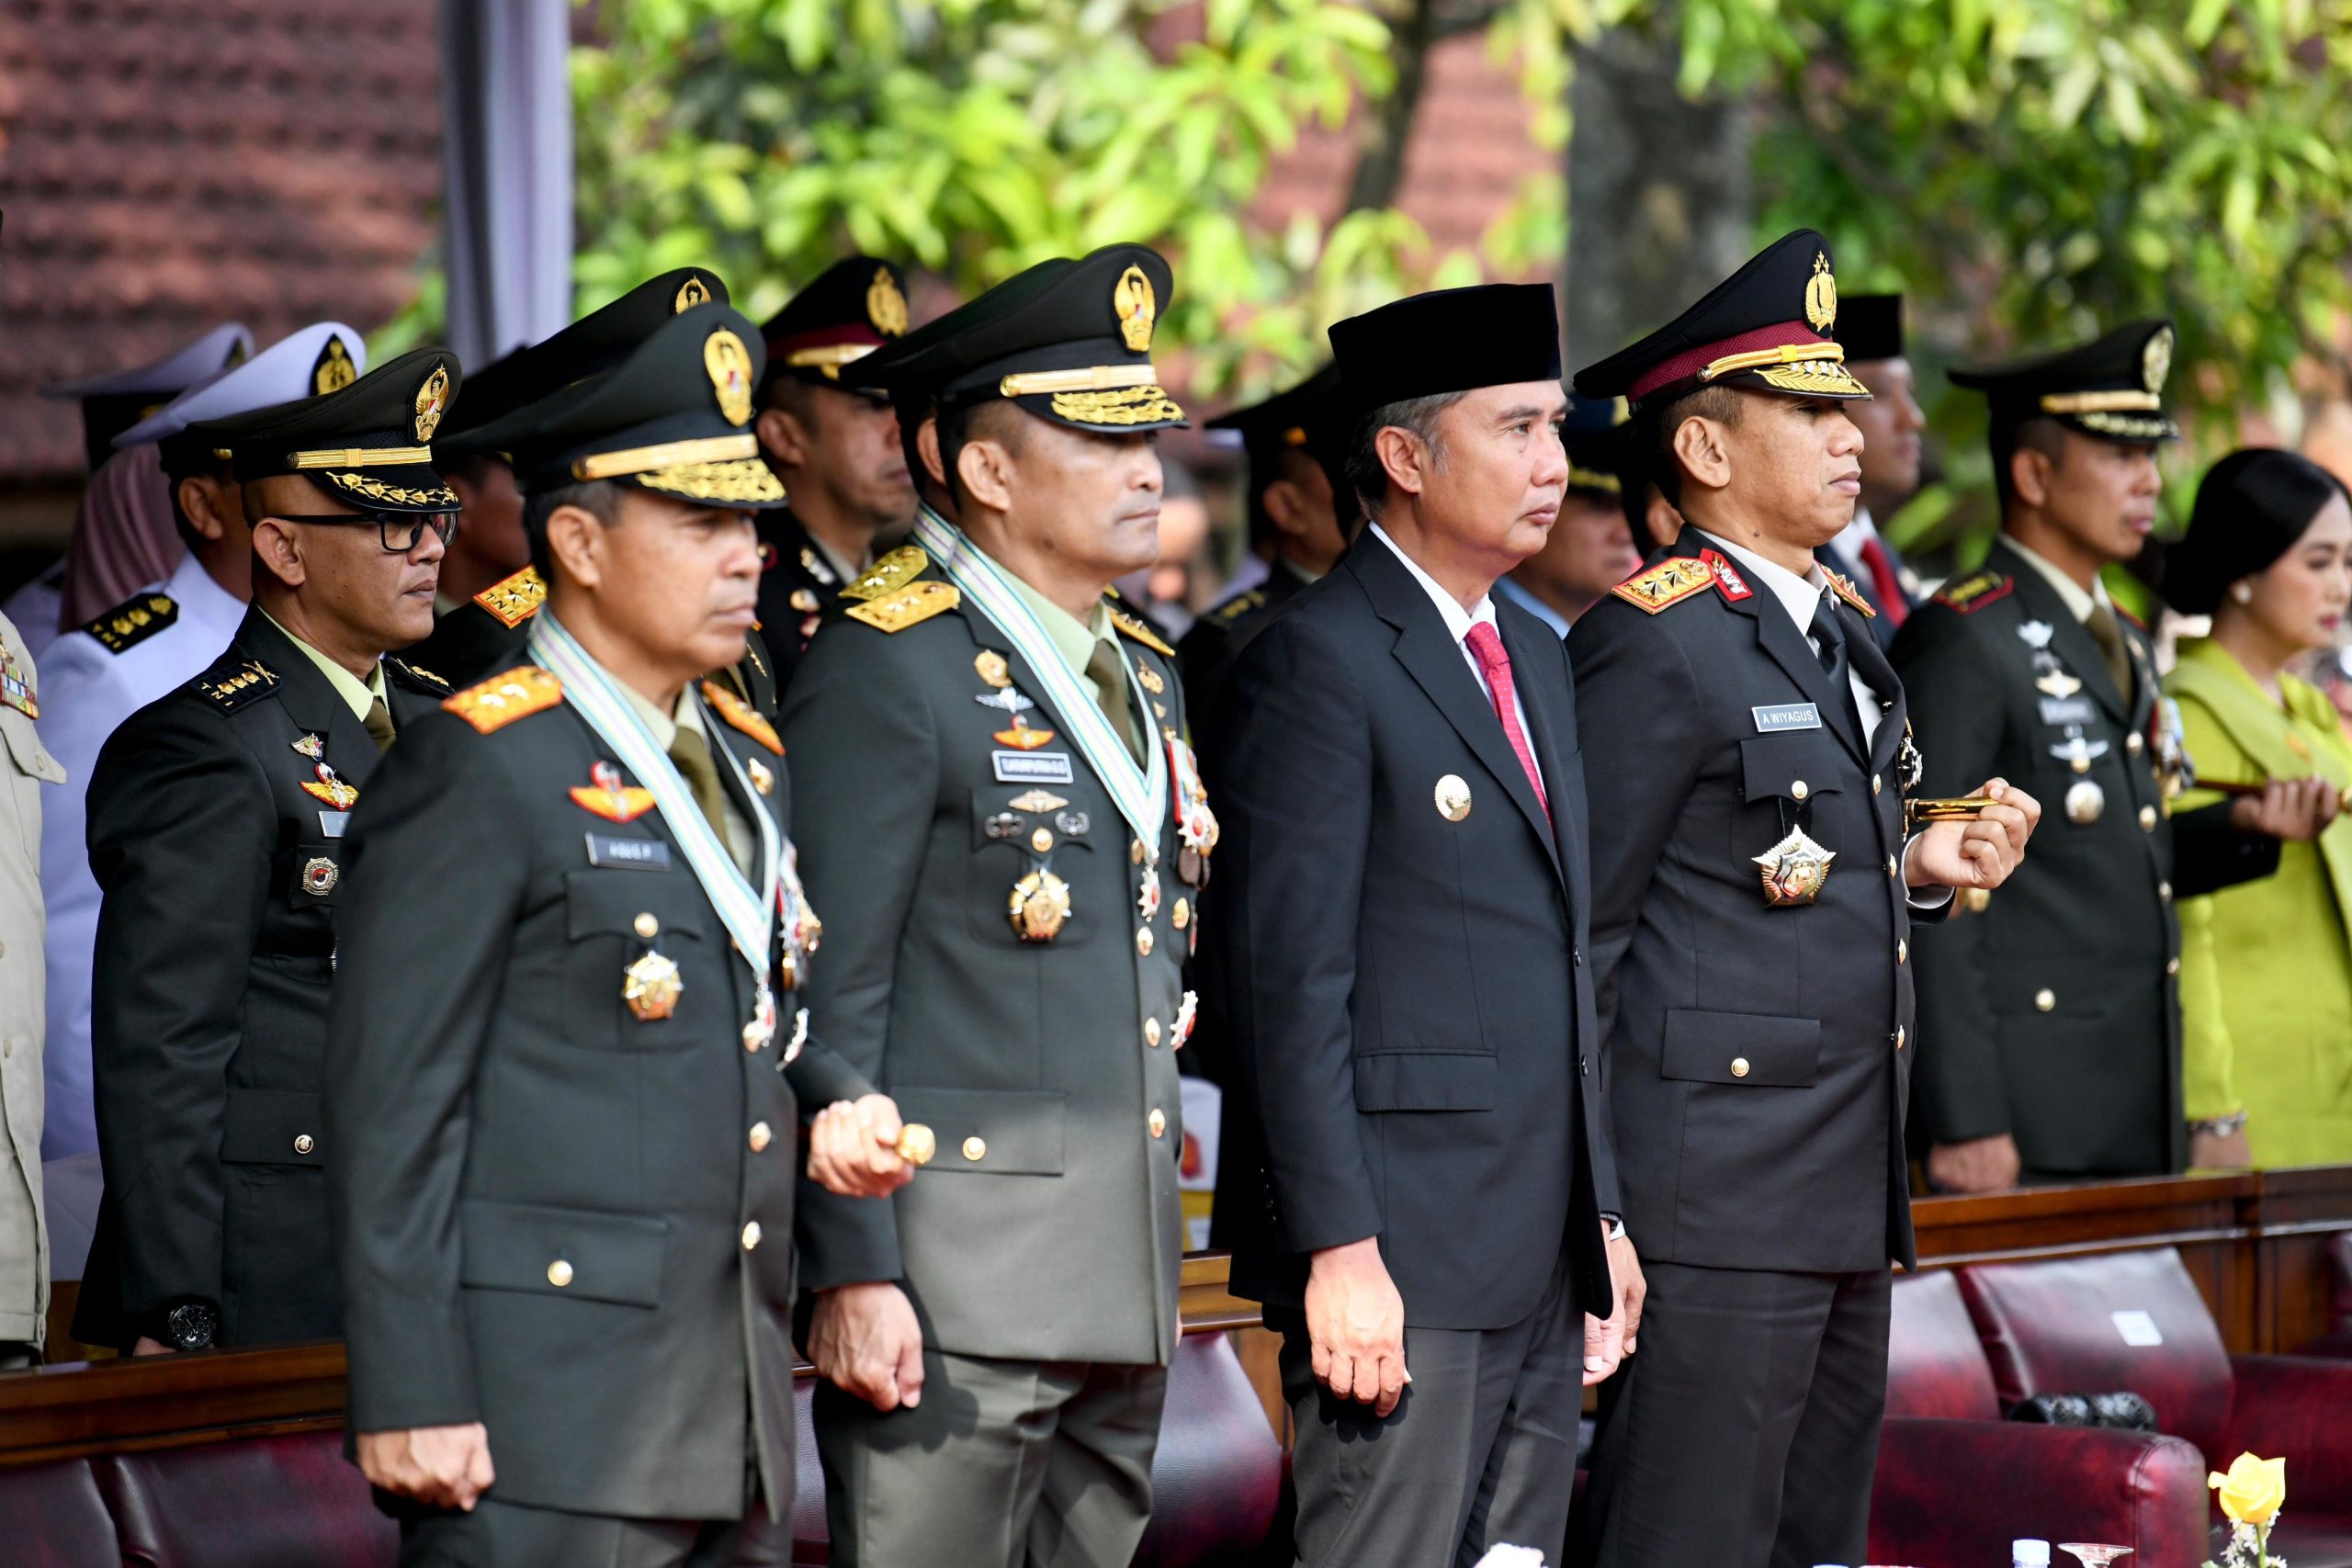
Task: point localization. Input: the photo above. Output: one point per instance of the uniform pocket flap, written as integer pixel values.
(271, 1126)
(1797, 766)
(1004, 1132)
(1748, 1048)
(24, 745)
(1425, 1080)
(564, 1252)
(610, 902)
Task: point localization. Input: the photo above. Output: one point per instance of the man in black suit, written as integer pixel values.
(216, 818)
(572, 1048)
(1736, 718)
(1869, 329)
(1404, 946)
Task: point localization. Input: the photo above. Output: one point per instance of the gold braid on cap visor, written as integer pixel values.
(1816, 369)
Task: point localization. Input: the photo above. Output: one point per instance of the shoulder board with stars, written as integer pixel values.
(890, 574)
(917, 603)
(741, 716)
(1240, 605)
(1845, 590)
(133, 621)
(1973, 593)
(1134, 628)
(1668, 583)
(235, 685)
(418, 675)
(515, 600)
(506, 696)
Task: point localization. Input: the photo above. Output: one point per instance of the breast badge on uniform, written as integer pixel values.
(606, 796)
(651, 987)
(1795, 870)
(16, 686)
(498, 702)
(1039, 906)
(1452, 796)
(318, 876)
(1022, 737)
(763, 776)
(991, 668)
(331, 786)
(1668, 583)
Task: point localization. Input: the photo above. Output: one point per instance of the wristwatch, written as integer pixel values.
(191, 1323)
(2220, 1126)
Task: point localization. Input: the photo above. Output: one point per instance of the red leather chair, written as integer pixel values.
(51, 1517)
(290, 1502)
(2134, 1320)
(1956, 1484)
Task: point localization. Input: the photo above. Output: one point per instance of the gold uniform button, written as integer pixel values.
(1902, 952)
(304, 1143)
(2132, 743)
(2147, 819)
(761, 1136)
(1181, 916)
(646, 925)
(1875, 783)
(1890, 866)
(1158, 1123)
(2163, 891)
(1041, 841)
(2045, 998)
(751, 1236)
(1143, 941)
(1739, 1067)
(1799, 790)
(976, 1147)
(1151, 1032)
(2172, 965)
(559, 1273)
(1900, 1036)
(1135, 851)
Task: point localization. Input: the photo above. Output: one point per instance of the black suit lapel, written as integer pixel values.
(1442, 669)
(2069, 638)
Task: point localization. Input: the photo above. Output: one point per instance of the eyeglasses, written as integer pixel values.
(398, 530)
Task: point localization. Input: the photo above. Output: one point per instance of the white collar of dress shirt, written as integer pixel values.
(1458, 621)
(1799, 596)
(201, 599)
(2079, 604)
(1524, 597)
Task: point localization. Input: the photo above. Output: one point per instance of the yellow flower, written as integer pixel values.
(2254, 1490)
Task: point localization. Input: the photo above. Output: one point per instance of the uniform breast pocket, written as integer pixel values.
(1026, 866)
(636, 976)
(1743, 1049)
(310, 875)
(1793, 766)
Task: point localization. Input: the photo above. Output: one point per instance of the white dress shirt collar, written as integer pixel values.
(1458, 621)
(2079, 604)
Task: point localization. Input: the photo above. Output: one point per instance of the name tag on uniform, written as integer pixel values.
(2068, 710)
(630, 854)
(330, 823)
(1786, 716)
(1033, 767)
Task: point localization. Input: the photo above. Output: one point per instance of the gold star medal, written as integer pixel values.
(651, 987)
(1795, 870)
(1039, 905)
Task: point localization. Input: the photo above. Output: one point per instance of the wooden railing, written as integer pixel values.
(2256, 1242)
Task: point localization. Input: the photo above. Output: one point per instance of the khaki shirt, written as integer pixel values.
(25, 766)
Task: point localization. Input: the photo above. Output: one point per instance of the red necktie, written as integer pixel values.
(1486, 647)
(1890, 586)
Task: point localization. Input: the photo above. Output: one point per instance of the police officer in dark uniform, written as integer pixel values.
(833, 445)
(1755, 882)
(216, 827)
(571, 1046)
(2051, 1018)
(1296, 446)
(1007, 834)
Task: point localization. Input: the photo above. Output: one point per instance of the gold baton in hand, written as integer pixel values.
(1956, 808)
(916, 1143)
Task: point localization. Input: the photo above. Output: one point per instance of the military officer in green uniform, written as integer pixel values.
(572, 1040)
(833, 446)
(215, 826)
(1007, 835)
(2049, 1017)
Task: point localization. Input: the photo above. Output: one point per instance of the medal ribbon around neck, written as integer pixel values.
(748, 912)
(1141, 796)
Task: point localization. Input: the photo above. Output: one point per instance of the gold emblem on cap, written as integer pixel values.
(2156, 360)
(885, 306)
(729, 364)
(333, 371)
(1132, 297)
(431, 403)
(691, 293)
(1821, 294)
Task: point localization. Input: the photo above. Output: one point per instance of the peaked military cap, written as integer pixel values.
(368, 444)
(1491, 334)
(1767, 326)
(589, 346)
(673, 417)
(323, 358)
(851, 308)
(2111, 388)
(1598, 448)
(112, 404)
(1870, 326)
(1068, 341)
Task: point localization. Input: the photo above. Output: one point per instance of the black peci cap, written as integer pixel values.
(1870, 326)
(1769, 326)
(851, 308)
(1491, 334)
(2111, 388)
(368, 443)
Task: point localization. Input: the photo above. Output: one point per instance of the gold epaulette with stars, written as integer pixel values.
(890, 574)
(1668, 583)
(241, 685)
(916, 602)
(1973, 593)
(1143, 634)
(1240, 605)
(133, 621)
(418, 672)
(741, 714)
(515, 600)
(1845, 590)
(511, 695)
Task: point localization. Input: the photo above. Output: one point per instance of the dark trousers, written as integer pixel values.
(1746, 1432)
(509, 1535)
(1480, 1453)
